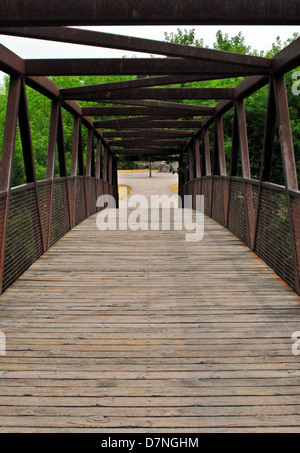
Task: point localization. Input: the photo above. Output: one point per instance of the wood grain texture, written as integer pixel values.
(123, 331)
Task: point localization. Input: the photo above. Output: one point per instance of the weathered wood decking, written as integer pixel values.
(124, 331)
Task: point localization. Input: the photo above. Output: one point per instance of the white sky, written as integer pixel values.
(258, 37)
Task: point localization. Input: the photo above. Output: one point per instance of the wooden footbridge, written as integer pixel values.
(143, 331)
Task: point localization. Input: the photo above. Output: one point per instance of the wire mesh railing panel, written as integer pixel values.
(24, 243)
(273, 241)
(44, 194)
(92, 196)
(197, 190)
(225, 194)
(99, 189)
(71, 191)
(60, 215)
(295, 213)
(206, 191)
(2, 214)
(80, 208)
(251, 199)
(217, 202)
(237, 220)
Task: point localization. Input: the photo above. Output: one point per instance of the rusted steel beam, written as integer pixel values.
(72, 93)
(166, 105)
(222, 166)
(191, 163)
(25, 132)
(88, 170)
(285, 134)
(233, 161)
(98, 170)
(138, 121)
(267, 152)
(207, 167)
(186, 110)
(10, 133)
(61, 146)
(146, 151)
(221, 147)
(241, 91)
(243, 139)
(146, 122)
(75, 145)
(110, 167)
(288, 58)
(44, 86)
(136, 66)
(7, 159)
(54, 120)
(62, 158)
(115, 180)
(143, 12)
(144, 142)
(105, 164)
(49, 89)
(148, 133)
(10, 62)
(81, 169)
(246, 170)
(197, 158)
(74, 165)
(113, 41)
(206, 152)
(158, 93)
(289, 168)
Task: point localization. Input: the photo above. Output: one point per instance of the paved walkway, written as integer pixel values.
(123, 331)
(140, 183)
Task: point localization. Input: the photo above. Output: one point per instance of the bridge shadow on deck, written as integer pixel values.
(143, 331)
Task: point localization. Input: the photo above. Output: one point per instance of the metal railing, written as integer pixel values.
(265, 216)
(36, 215)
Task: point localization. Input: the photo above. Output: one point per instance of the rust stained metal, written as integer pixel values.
(143, 12)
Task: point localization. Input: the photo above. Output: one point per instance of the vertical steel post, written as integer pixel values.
(51, 167)
(222, 166)
(207, 160)
(88, 170)
(110, 167)
(289, 168)
(7, 159)
(246, 171)
(25, 132)
(105, 164)
(267, 153)
(197, 157)
(74, 165)
(98, 170)
(62, 160)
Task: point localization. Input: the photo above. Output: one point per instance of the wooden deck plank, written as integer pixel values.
(123, 331)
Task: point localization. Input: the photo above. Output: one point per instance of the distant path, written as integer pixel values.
(141, 184)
